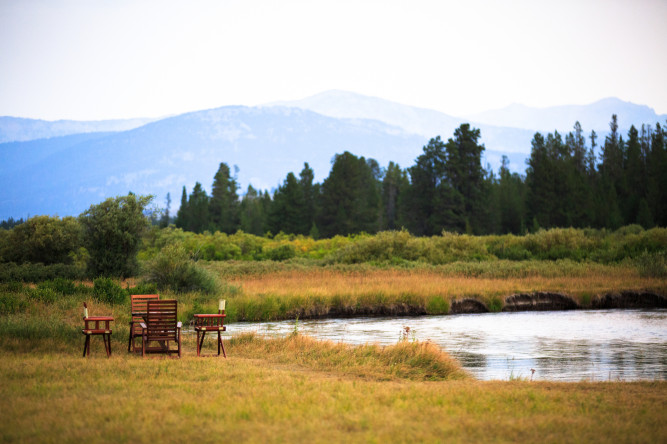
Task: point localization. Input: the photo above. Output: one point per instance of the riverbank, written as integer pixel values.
(269, 292)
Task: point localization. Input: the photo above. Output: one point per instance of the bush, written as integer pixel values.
(11, 303)
(28, 272)
(60, 285)
(106, 290)
(46, 295)
(173, 269)
(112, 233)
(43, 239)
(281, 252)
(437, 306)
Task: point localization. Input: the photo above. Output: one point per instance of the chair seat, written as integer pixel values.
(214, 328)
(96, 332)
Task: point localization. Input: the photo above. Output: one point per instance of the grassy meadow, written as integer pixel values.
(295, 388)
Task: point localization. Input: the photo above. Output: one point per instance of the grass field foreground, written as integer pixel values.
(300, 390)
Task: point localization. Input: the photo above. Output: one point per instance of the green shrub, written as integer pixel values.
(11, 303)
(280, 253)
(45, 294)
(173, 269)
(437, 306)
(29, 272)
(60, 285)
(108, 291)
(495, 304)
(143, 288)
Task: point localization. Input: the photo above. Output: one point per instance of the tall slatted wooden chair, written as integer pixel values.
(138, 303)
(161, 325)
(211, 322)
(91, 327)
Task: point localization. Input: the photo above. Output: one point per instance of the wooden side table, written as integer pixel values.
(211, 322)
(96, 325)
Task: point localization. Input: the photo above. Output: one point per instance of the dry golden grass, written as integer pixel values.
(267, 391)
(326, 283)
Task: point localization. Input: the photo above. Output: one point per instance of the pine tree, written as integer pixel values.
(426, 176)
(224, 205)
(350, 201)
(287, 210)
(183, 215)
(198, 210)
(164, 221)
(252, 213)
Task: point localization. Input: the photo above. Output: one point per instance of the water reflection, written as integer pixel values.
(577, 345)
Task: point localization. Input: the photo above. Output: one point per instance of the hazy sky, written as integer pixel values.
(100, 59)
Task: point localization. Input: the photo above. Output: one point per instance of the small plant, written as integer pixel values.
(437, 306)
(495, 304)
(295, 332)
(46, 295)
(106, 290)
(11, 303)
(406, 334)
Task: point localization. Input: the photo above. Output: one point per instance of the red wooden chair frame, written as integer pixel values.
(92, 327)
(161, 325)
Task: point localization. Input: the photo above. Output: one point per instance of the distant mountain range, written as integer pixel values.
(63, 167)
(16, 129)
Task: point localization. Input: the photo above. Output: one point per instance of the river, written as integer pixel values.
(577, 345)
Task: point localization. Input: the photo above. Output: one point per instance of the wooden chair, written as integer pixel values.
(160, 325)
(138, 302)
(211, 322)
(91, 326)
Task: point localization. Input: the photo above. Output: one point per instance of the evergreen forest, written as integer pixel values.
(574, 180)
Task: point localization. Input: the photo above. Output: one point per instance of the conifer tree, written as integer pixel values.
(224, 204)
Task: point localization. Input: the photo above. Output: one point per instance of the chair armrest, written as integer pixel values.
(143, 325)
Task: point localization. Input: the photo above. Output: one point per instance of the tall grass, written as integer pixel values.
(335, 291)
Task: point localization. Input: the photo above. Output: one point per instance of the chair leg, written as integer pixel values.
(200, 343)
(109, 342)
(222, 345)
(129, 343)
(179, 343)
(85, 345)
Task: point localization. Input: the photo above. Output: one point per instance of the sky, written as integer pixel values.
(108, 59)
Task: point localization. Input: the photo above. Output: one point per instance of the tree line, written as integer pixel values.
(568, 183)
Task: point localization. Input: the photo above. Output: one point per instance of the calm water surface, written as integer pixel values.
(596, 345)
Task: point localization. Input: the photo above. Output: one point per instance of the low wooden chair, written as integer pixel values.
(92, 327)
(211, 322)
(138, 303)
(161, 325)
